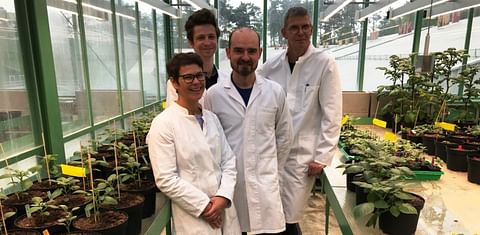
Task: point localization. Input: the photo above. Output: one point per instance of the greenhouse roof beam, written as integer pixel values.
(413, 7)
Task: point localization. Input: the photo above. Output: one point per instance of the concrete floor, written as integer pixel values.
(314, 221)
(312, 224)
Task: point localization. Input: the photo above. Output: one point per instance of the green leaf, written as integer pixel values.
(363, 209)
(109, 201)
(407, 208)
(394, 211)
(372, 221)
(26, 184)
(353, 169)
(101, 185)
(381, 204)
(8, 214)
(404, 196)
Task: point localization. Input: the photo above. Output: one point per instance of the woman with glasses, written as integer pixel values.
(191, 159)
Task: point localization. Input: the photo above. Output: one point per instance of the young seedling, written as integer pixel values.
(68, 218)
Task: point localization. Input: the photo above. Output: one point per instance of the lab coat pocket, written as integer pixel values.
(265, 121)
(267, 171)
(309, 96)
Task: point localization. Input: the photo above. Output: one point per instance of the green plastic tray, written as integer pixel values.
(427, 175)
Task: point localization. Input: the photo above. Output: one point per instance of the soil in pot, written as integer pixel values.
(457, 158)
(22, 199)
(414, 138)
(44, 186)
(133, 205)
(73, 200)
(40, 223)
(110, 223)
(404, 224)
(9, 220)
(22, 232)
(474, 169)
(148, 190)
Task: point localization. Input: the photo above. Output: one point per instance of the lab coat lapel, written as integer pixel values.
(256, 90)
(233, 93)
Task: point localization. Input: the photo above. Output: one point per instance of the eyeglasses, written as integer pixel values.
(188, 78)
(295, 28)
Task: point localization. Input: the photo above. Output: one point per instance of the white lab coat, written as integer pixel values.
(314, 96)
(260, 135)
(172, 95)
(192, 165)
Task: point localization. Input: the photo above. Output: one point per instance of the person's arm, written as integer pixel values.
(172, 95)
(161, 146)
(330, 101)
(283, 130)
(224, 195)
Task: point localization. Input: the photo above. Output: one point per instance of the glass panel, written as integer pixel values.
(21, 165)
(74, 145)
(161, 55)
(474, 51)
(67, 55)
(101, 59)
(340, 36)
(386, 38)
(128, 53)
(446, 31)
(233, 14)
(15, 118)
(149, 63)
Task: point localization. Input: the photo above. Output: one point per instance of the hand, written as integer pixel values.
(214, 211)
(315, 169)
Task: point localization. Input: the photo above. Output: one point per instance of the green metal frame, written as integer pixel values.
(417, 33)
(264, 30)
(35, 13)
(468, 36)
(331, 201)
(140, 64)
(315, 23)
(157, 60)
(362, 51)
(86, 73)
(161, 221)
(117, 58)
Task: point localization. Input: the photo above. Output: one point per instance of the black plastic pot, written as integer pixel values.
(473, 170)
(429, 142)
(22, 232)
(441, 149)
(360, 195)
(457, 158)
(134, 212)
(350, 186)
(404, 224)
(148, 190)
(415, 138)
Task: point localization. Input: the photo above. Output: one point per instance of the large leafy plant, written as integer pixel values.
(19, 179)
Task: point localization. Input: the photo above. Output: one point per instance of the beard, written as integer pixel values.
(244, 68)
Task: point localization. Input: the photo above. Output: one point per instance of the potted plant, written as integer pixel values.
(107, 222)
(466, 116)
(41, 215)
(133, 181)
(21, 182)
(396, 210)
(7, 214)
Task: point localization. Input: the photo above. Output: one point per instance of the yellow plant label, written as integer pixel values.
(380, 123)
(73, 170)
(164, 104)
(344, 120)
(448, 126)
(390, 136)
(445, 125)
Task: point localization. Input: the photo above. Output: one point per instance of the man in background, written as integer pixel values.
(311, 80)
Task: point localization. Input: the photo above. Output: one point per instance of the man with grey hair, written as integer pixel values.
(311, 80)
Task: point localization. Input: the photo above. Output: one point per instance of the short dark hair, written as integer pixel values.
(243, 27)
(294, 12)
(200, 17)
(182, 59)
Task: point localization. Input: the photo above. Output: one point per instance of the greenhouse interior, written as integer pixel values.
(83, 80)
